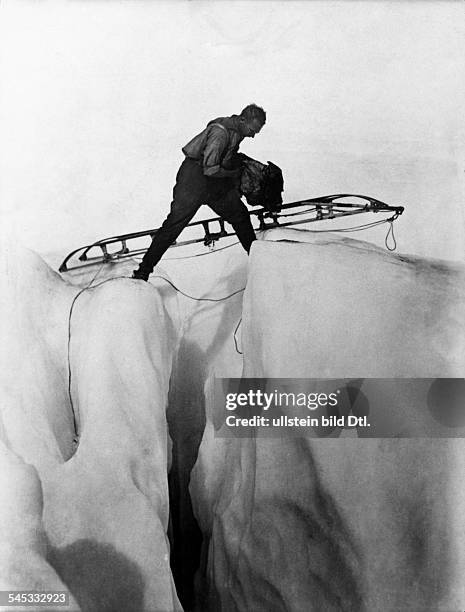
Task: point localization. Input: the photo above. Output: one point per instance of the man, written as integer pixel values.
(209, 174)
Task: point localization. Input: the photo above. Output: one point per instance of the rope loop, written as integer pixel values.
(390, 232)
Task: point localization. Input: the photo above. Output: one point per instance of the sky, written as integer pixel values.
(97, 99)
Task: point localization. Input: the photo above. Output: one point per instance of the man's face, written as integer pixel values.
(252, 127)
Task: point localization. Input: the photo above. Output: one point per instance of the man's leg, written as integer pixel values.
(231, 208)
(188, 196)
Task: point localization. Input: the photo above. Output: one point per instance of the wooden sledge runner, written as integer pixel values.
(318, 209)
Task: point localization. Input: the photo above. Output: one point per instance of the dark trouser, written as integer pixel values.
(193, 189)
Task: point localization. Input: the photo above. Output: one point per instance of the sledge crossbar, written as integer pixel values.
(321, 209)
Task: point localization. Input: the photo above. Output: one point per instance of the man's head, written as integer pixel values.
(253, 118)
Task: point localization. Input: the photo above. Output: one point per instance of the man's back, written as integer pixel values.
(216, 145)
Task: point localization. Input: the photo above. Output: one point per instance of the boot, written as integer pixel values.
(138, 274)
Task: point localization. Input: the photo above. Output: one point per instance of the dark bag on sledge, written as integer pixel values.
(261, 184)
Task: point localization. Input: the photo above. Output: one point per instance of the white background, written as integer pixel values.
(97, 98)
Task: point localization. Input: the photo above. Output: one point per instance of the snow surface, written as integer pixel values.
(290, 524)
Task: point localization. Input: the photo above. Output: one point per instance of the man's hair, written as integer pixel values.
(252, 111)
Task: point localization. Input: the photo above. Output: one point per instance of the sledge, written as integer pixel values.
(294, 213)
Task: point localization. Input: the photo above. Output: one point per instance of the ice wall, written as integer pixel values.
(105, 507)
(338, 524)
(299, 524)
(206, 322)
(23, 544)
(347, 308)
(34, 307)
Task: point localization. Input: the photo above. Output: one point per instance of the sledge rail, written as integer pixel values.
(322, 209)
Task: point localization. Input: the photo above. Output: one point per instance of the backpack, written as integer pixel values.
(261, 184)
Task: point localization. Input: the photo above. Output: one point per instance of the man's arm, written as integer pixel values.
(217, 141)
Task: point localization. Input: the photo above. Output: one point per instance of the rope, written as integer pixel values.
(198, 254)
(390, 231)
(296, 214)
(359, 228)
(235, 338)
(203, 254)
(76, 418)
(196, 298)
(355, 228)
(74, 411)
